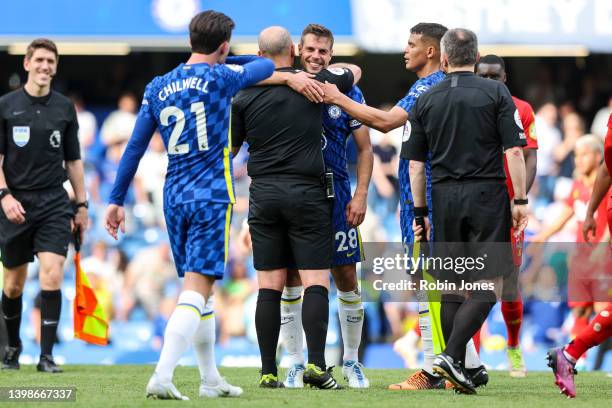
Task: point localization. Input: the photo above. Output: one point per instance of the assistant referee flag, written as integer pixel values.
(90, 322)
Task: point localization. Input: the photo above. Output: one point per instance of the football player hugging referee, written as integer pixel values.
(39, 150)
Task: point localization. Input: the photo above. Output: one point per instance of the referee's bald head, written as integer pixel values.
(275, 41)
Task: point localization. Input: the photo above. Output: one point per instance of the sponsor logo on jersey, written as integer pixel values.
(334, 112)
(421, 88)
(354, 123)
(21, 135)
(55, 139)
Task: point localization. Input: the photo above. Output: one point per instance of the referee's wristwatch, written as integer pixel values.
(4, 192)
(521, 201)
(83, 204)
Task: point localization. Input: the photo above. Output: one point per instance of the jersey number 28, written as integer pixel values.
(179, 125)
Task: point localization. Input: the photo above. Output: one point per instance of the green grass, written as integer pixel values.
(123, 385)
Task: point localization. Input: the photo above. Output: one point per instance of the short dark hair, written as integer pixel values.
(38, 43)
(318, 31)
(433, 31)
(461, 46)
(492, 59)
(208, 30)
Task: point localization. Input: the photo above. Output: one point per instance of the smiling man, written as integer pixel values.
(39, 150)
(316, 50)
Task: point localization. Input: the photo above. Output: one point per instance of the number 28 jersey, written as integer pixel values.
(191, 107)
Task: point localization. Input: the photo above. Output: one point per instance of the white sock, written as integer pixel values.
(204, 345)
(350, 310)
(179, 332)
(472, 359)
(291, 332)
(426, 338)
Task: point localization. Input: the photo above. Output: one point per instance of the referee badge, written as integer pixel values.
(21, 135)
(55, 139)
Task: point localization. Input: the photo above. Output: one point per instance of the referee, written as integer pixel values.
(465, 123)
(289, 215)
(39, 150)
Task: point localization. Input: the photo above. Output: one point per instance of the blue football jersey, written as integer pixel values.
(337, 126)
(406, 204)
(191, 106)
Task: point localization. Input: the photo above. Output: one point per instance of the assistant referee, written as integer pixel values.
(39, 150)
(465, 123)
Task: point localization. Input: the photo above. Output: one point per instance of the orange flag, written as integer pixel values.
(90, 322)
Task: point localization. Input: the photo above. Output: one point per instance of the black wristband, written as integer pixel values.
(421, 211)
(4, 192)
(83, 204)
(521, 201)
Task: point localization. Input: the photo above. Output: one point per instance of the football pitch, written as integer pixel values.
(123, 385)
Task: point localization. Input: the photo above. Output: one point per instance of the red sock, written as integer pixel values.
(580, 324)
(595, 333)
(476, 339)
(513, 317)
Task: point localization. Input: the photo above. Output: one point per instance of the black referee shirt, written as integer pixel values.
(283, 129)
(36, 136)
(465, 122)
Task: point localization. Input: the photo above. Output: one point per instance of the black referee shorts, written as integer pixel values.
(290, 224)
(46, 229)
(472, 219)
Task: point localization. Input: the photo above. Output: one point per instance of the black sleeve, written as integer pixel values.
(3, 136)
(237, 122)
(342, 77)
(414, 142)
(509, 125)
(72, 148)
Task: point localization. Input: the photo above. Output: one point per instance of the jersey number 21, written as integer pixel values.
(179, 125)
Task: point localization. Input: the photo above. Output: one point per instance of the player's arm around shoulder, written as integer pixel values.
(247, 70)
(355, 70)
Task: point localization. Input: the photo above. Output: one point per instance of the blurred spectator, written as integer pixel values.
(103, 276)
(384, 175)
(599, 127)
(149, 183)
(88, 126)
(573, 128)
(146, 278)
(117, 127)
(231, 299)
(549, 138)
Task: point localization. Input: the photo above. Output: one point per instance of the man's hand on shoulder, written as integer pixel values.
(303, 83)
(114, 220)
(331, 93)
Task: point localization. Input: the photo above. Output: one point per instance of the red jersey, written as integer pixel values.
(608, 146)
(579, 201)
(528, 121)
